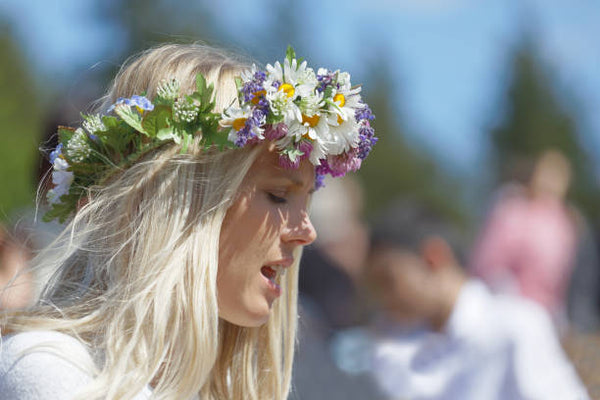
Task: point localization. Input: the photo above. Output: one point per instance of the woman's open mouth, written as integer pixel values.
(271, 273)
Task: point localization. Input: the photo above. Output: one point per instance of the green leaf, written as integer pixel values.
(292, 153)
(166, 134)
(157, 120)
(65, 133)
(239, 83)
(63, 209)
(200, 83)
(328, 92)
(217, 138)
(132, 118)
(290, 54)
(187, 139)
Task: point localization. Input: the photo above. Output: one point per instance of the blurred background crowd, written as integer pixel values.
(470, 234)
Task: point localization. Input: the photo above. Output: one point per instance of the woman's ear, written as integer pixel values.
(437, 252)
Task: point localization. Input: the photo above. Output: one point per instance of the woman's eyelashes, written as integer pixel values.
(276, 199)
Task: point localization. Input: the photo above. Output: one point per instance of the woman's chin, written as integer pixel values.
(249, 318)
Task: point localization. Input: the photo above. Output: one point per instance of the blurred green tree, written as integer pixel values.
(536, 119)
(20, 120)
(396, 168)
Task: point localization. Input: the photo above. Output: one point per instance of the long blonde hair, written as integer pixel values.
(134, 273)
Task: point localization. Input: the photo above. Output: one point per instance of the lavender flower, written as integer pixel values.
(325, 78)
(319, 181)
(254, 88)
(367, 139)
(364, 113)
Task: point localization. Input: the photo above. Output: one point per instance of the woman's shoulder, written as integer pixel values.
(43, 364)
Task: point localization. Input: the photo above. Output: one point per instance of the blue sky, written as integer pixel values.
(449, 56)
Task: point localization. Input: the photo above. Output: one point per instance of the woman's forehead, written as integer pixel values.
(267, 166)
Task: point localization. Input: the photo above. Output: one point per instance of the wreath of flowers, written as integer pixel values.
(316, 116)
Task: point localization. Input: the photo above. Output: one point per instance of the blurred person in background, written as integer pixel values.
(531, 241)
(332, 267)
(330, 298)
(16, 286)
(442, 335)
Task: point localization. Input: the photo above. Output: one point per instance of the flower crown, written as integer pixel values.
(315, 116)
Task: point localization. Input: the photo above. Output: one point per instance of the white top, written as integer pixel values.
(45, 365)
(493, 348)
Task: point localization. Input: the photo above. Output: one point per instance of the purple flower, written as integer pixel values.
(325, 80)
(367, 139)
(343, 163)
(260, 76)
(364, 113)
(322, 168)
(286, 163)
(276, 132)
(319, 181)
(247, 135)
(305, 147)
(253, 90)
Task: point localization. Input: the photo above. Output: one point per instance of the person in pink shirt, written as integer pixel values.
(529, 241)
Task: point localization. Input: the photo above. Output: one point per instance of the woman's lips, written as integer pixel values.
(270, 275)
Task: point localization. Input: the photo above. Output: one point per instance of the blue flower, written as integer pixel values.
(141, 102)
(55, 153)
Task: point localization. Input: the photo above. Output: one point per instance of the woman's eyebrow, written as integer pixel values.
(292, 181)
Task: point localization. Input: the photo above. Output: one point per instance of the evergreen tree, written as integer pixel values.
(396, 169)
(536, 120)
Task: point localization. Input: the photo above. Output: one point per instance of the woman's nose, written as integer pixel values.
(300, 230)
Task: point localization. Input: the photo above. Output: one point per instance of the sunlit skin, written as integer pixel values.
(266, 223)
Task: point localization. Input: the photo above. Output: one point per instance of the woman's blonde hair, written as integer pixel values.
(134, 273)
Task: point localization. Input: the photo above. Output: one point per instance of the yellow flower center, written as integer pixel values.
(340, 120)
(311, 121)
(239, 123)
(287, 89)
(258, 95)
(339, 98)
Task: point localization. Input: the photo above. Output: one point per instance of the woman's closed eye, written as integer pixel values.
(276, 199)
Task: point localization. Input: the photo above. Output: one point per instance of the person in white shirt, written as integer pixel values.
(442, 335)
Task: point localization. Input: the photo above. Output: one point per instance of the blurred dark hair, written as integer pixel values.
(406, 223)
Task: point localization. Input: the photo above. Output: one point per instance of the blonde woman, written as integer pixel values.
(186, 196)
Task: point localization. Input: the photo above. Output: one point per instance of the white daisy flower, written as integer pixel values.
(235, 117)
(248, 74)
(296, 80)
(282, 104)
(343, 79)
(312, 103)
(319, 151)
(345, 103)
(341, 136)
(312, 127)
